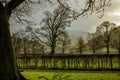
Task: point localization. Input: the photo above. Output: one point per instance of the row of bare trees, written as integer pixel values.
(41, 40)
(106, 35)
(27, 43)
(24, 43)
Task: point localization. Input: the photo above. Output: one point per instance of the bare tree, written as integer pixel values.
(37, 47)
(65, 42)
(80, 44)
(25, 40)
(104, 31)
(8, 67)
(17, 46)
(54, 26)
(89, 6)
(115, 43)
(95, 43)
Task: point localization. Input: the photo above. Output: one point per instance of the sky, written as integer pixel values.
(88, 24)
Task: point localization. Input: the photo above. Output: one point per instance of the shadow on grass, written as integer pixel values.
(57, 76)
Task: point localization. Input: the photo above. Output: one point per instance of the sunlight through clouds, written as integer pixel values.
(115, 13)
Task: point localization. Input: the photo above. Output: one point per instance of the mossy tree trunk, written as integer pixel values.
(8, 67)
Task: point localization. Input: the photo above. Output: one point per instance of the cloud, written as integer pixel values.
(89, 24)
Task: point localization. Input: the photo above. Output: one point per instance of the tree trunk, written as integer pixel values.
(107, 46)
(111, 64)
(118, 51)
(63, 50)
(8, 68)
(53, 48)
(80, 50)
(93, 50)
(119, 59)
(119, 62)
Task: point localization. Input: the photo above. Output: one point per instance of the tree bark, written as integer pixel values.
(8, 67)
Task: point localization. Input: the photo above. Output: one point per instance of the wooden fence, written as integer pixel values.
(84, 61)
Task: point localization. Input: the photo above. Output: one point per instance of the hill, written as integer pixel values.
(75, 34)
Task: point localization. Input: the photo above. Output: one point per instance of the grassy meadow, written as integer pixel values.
(70, 75)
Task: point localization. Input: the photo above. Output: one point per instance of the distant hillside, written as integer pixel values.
(74, 35)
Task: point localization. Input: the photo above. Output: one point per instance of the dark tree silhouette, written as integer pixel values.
(80, 44)
(104, 31)
(95, 43)
(54, 26)
(65, 41)
(115, 43)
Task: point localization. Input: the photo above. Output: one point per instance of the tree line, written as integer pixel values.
(38, 41)
(106, 35)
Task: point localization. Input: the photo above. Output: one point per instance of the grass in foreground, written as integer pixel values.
(70, 75)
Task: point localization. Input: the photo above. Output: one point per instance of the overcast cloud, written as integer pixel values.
(88, 24)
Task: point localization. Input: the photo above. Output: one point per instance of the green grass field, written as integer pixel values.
(70, 75)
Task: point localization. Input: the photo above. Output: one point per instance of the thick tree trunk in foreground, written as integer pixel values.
(8, 68)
